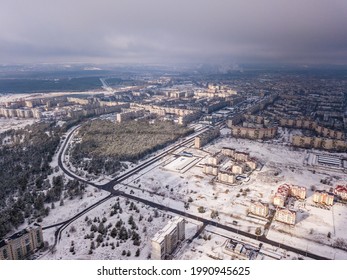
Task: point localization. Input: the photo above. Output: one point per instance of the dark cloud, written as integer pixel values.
(163, 31)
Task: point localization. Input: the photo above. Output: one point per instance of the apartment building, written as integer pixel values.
(216, 159)
(238, 168)
(241, 156)
(129, 115)
(297, 191)
(229, 152)
(319, 143)
(312, 125)
(279, 200)
(253, 133)
(166, 240)
(323, 197)
(226, 177)
(206, 137)
(259, 208)
(252, 164)
(341, 192)
(210, 169)
(285, 215)
(21, 244)
(281, 195)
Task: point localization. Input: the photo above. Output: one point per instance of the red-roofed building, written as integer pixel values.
(284, 190)
(341, 191)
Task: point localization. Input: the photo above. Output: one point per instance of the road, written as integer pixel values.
(109, 187)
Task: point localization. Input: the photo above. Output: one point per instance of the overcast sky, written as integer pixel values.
(170, 31)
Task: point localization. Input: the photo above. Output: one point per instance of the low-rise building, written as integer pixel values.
(226, 177)
(241, 156)
(259, 208)
(279, 200)
(253, 133)
(229, 152)
(252, 164)
(319, 143)
(312, 125)
(323, 197)
(285, 215)
(238, 169)
(341, 191)
(210, 169)
(298, 192)
(215, 159)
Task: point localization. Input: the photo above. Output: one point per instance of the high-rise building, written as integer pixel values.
(21, 244)
(166, 240)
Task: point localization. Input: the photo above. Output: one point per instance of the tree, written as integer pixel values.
(119, 223)
(214, 214)
(101, 228)
(99, 239)
(258, 231)
(201, 209)
(123, 233)
(114, 232)
(93, 228)
(156, 213)
(137, 253)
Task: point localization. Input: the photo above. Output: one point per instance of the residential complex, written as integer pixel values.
(228, 163)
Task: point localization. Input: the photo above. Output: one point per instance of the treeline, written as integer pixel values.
(25, 155)
(106, 144)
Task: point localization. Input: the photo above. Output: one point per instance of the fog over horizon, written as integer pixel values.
(162, 31)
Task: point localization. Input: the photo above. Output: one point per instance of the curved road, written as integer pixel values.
(114, 192)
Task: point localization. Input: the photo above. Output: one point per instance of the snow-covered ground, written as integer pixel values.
(14, 123)
(146, 227)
